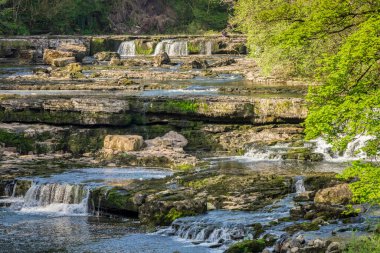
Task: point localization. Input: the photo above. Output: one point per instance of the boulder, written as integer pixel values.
(74, 67)
(63, 62)
(158, 212)
(78, 51)
(172, 140)
(106, 56)
(50, 55)
(337, 195)
(223, 62)
(304, 196)
(123, 143)
(89, 60)
(197, 64)
(115, 61)
(161, 59)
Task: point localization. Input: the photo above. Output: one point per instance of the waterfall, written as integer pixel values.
(212, 234)
(267, 153)
(61, 199)
(353, 151)
(207, 48)
(127, 48)
(172, 48)
(10, 189)
(299, 185)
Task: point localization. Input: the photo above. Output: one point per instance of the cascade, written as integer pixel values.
(204, 232)
(352, 152)
(172, 48)
(56, 198)
(266, 153)
(127, 48)
(10, 189)
(207, 48)
(299, 185)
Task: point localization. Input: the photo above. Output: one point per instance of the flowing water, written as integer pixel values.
(172, 48)
(127, 48)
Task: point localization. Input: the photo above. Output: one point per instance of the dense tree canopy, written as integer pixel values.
(336, 43)
(19, 17)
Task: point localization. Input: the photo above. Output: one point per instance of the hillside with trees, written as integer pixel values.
(28, 17)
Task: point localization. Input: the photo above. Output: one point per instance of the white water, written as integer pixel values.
(266, 153)
(353, 151)
(299, 185)
(127, 48)
(274, 153)
(57, 199)
(207, 48)
(172, 48)
(222, 227)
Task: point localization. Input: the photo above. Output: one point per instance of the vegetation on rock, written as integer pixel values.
(247, 246)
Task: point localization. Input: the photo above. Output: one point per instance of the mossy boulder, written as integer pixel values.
(306, 226)
(63, 62)
(115, 61)
(161, 59)
(123, 143)
(106, 56)
(339, 195)
(79, 51)
(115, 201)
(164, 212)
(247, 246)
(144, 47)
(50, 55)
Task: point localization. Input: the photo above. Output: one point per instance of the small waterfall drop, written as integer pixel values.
(60, 199)
(127, 48)
(10, 189)
(299, 185)
(266, 153)
(353, 151)
(172, 48)
(207, 233)
(207, 48)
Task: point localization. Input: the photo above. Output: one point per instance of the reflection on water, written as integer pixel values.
(98, 176)
(35, 233)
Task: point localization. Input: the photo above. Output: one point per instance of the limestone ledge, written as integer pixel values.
(122, 111)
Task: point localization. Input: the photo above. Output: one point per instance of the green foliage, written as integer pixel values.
(182, 106)
(366, 187)
(22, 17)
(199, 16)
(336, 43)
(22, 143)
(363, 244)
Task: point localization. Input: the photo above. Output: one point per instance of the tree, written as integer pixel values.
(336, 43)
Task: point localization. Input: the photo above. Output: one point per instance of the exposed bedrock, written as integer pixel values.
(30, 49)
(147, 110)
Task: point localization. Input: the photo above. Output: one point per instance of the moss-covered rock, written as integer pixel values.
(115, 201)
(306, 226)
(106, 55)
(247, 246)
(51, 55)
(144, 47)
